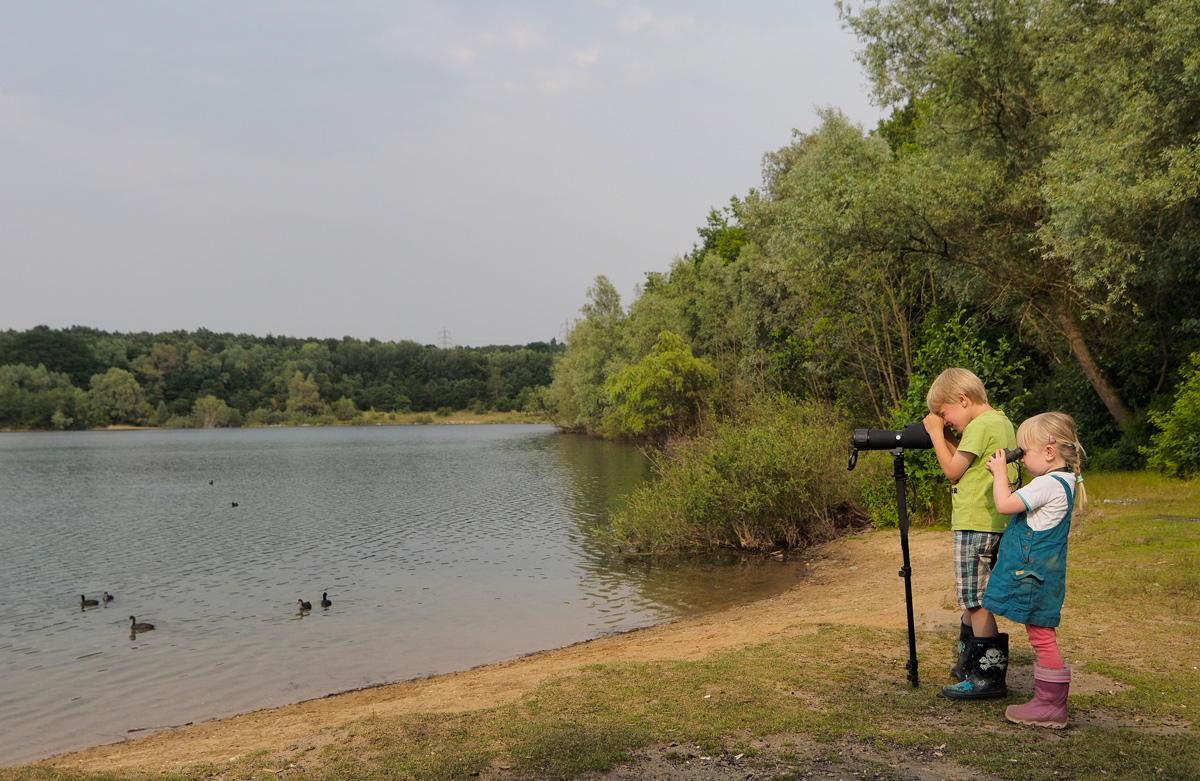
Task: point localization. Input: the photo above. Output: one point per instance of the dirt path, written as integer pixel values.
(852, 581)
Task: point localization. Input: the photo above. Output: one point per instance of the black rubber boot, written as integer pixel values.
(987, 670)
(959, 671)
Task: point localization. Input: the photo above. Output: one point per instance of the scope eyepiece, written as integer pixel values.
(1013, 455)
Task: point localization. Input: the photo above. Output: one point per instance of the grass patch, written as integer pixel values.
(841, 692)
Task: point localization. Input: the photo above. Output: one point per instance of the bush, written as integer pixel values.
(265, 417)
(773, 478)
(1175, 450)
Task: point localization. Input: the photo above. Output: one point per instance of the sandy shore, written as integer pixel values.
(850, 581)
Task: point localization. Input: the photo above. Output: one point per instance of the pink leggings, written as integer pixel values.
(1045, 645)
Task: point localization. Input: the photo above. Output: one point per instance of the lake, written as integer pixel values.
(441, 548)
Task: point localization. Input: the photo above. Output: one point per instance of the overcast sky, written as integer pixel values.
(383, 169)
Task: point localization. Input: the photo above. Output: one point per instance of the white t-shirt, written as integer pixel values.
(1046, 500)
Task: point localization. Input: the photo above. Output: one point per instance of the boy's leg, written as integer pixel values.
(983, 623)
(986, 664)
(974, 555)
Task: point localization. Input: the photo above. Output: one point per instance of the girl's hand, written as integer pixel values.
(996, 462)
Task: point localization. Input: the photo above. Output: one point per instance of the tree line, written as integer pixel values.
(1028, 209)
(80, 377)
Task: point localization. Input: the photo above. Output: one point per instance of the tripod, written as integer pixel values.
(905, 571)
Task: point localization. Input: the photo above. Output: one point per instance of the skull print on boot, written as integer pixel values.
(987, 669)
(1048, 708)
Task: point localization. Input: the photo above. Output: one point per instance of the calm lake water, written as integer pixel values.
(441, 548)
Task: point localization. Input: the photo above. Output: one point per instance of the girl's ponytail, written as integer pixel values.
(1080, 491)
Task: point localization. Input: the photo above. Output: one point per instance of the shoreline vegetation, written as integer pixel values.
(369, 418)
(809, 683)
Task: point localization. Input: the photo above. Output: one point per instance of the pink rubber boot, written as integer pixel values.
(1048, 708)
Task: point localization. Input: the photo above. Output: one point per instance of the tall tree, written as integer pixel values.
(990, 190)
(577, 398)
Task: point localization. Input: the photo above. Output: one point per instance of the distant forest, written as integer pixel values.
(82, 377)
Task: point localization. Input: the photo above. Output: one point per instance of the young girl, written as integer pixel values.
(1029, 580)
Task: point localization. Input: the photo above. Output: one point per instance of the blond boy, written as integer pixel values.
(957, 400)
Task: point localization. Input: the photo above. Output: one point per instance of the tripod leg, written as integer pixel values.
(906, 571)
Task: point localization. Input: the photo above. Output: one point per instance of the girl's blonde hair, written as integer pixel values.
(1058, 429)
(950, 383)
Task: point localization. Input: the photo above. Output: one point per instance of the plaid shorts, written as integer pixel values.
(974, 557)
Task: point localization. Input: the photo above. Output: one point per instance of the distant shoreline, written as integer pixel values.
(460, 418)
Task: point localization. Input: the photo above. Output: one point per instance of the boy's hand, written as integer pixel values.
(935, 426)
(996, 462)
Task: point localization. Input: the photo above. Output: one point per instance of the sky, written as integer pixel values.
(450, 170)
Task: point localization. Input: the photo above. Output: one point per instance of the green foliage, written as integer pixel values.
(39, 398)
(115, 397)
(60, 352)
(304, 395)
(211, 412)
(343, 409)
(577, 398)
(664, 393)
(1055, 175)
(723, 234)
(774, 477)
(1175, 449)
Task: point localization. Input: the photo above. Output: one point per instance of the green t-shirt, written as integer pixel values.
(974, 507)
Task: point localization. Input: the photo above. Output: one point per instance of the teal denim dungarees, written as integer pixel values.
(1029, 582)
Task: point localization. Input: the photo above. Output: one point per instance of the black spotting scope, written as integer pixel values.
(912, 437)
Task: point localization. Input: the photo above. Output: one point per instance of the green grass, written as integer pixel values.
(1131, 615)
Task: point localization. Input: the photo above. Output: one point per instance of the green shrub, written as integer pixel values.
(1175, 449)
(775, 477)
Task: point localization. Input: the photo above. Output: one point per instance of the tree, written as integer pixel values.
(211, 412)
(59, 352)
(116, 397)
(304, 395)
(39, 398)
(1029, 113)
(663, 393)
(847, 296)
(577, 398)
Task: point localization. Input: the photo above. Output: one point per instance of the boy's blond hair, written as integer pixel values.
(950, 383)
(1058, 429)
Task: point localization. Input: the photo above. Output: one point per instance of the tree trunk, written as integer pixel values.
(1104, 389)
